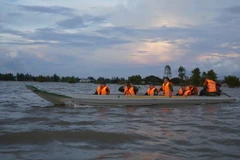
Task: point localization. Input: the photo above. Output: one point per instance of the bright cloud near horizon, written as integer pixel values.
(119, 37)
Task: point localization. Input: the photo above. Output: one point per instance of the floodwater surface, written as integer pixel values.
(32, 128)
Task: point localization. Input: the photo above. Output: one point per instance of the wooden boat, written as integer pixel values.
(121, 100)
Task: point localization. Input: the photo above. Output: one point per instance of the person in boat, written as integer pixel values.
(128, 89)
(191, 90)
(167, 87)
(209, 88)
(102, 89)
(219, 91)
(152, 90)
(182, 90)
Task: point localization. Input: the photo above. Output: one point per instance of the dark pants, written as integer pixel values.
(204, 92)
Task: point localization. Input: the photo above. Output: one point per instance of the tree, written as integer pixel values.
(153, 79)
(47, 78)
(176, 81)
(100, 80)
(91, 79)
(203, 76)
(232, 81)
(182, 73)
(195, 78)
(41, 78)
(9, 77)
(72, 80)
(56, 78)
(167, 71)
(107, 80)
(20, 77)
(135, 79)
(28, 77)
(212, 75)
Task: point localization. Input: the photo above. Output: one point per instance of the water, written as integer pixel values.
(31, 128)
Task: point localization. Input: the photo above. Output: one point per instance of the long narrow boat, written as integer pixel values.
(58, 99)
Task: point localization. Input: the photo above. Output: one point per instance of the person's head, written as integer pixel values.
(128, 84)
(190, 86)
(151, 85)
(183, 86)
(218, 84)
(102, 84)
(166, 79)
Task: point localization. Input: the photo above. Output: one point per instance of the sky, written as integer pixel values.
(121, 38)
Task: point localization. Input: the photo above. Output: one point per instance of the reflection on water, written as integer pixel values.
(137, 155)
(131, 109)
(31, 126)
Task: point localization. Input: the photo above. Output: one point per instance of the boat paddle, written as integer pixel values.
(225, 94)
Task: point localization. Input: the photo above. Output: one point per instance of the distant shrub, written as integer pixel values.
(232, 81)
(72, 80)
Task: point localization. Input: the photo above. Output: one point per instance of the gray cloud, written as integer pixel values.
(75, 39)
(203, 38)
(229, 16)
(47, 35)
(233, 10)
(51, 10)
(11, 31)
(152, 33)
(14, 14)
(81, 21)
(76, 22)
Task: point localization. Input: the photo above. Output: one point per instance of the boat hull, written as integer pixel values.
(121, 100)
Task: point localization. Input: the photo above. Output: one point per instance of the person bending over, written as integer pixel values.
(182, 90)
(128, 89)
(209, 88)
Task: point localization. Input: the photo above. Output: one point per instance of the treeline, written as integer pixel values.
(40, 78)
(196, 78)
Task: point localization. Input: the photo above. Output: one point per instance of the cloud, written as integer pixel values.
(12, 14)
(233, 10)
(75, 39)
(81, 21)
(120, 37)
(11, 31)
(229, 16)
(13, 54)
(218, 61)
(49, 9)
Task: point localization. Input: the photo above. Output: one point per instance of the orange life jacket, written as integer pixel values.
(181, 91)
(129, 91)
(191, 90)
(102, 91)
(194, 90)
(166, 89)
(211, 86)
(150, 92)
(187, 93)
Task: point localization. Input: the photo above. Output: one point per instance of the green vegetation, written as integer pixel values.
(196, 78)
(153, 79)
(167, 71)
(40, 78)
(135, 79)
(232, 81)
(182, 73)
